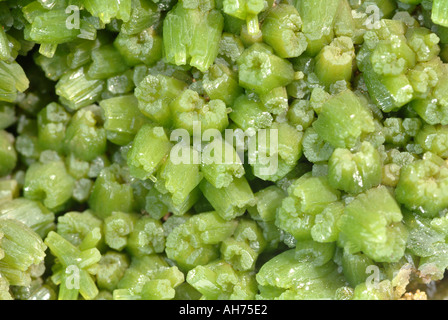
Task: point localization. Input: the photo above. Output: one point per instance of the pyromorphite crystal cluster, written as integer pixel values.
(223, 149)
